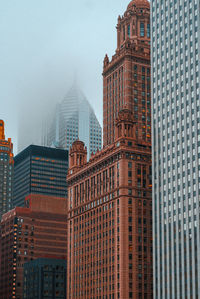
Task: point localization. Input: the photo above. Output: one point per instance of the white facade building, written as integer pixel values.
(74, 119)
(175, 50)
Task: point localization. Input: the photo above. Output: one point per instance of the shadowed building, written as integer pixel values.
(45, 278)
(6, 171)
(39, 170)
(27, 233)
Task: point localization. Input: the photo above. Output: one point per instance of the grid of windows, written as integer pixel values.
(176, 147)
(40, 170)
(74, 119)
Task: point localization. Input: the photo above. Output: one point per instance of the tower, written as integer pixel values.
(175, 58)
(74, 118)
(126, 78)
(109, 218)
(77, 155)
(109, 206)
(6, 171)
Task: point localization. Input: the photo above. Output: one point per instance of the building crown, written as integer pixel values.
(2, 136)
(134, 24)
(139, 4)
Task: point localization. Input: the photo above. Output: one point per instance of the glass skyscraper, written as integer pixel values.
(175, 54)
(39, 170)
(74, 119)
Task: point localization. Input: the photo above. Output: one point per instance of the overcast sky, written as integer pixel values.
(43, 43)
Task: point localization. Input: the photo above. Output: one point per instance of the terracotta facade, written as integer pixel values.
(126, 77)
(109, 198)
(109, 218)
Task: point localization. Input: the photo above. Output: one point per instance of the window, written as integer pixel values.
(141, 29)
(128, 30)
(148, 30)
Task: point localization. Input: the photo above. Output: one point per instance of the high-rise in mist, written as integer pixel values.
(73, 119)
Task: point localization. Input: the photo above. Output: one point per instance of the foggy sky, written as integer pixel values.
(43, 43)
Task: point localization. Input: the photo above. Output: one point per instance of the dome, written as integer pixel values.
(139, 4)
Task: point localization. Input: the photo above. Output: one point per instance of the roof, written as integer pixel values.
(139, 4)
(41, 151)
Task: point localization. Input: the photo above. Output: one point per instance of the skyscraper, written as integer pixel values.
(109, 198)
(59, 125)
(74, 119)
(39, 170)
(175, 56)
(110, 248)
(126, 78)
(6, 171)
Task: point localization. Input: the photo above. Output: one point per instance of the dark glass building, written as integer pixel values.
(39, 170)
(45, 278)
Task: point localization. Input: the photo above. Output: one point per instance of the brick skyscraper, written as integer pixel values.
(110, 206)
(126, 78)
(28, 233)
(6, 171)
(109, 252)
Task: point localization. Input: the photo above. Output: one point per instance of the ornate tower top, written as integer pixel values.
(139, 4)
(125, 125)
(77, 155)
(126, 76)
(2, 135)
(134, 24)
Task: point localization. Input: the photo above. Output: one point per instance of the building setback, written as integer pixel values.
(175, 58)
(39, 170)
(126, 78)
(109, 214)
(6, 171)
(45, 278)
(28, 233)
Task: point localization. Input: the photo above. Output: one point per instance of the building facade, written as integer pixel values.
(27, 233)
(74, 119)
(175, 56)
(45, 278)
(39, 170)
(109, 217)
(126, 78)
(6, 171)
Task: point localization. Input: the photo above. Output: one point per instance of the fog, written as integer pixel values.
(43, 45)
